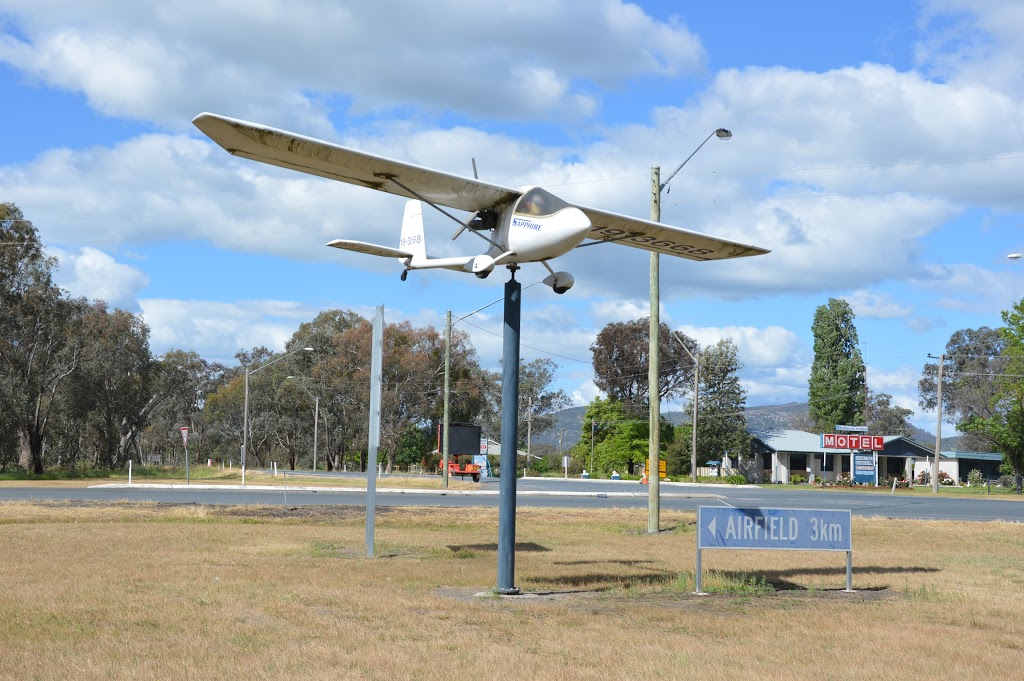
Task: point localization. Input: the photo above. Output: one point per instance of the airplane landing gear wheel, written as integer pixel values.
(405, 274)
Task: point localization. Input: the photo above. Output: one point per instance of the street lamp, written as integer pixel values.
(653, 379)
(245, 411)
(696, 384)
(316, 417)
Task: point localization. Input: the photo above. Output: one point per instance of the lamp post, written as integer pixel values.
(316, 417)
(448, 323)
(653, 379)
(245, 409)
(696, 387)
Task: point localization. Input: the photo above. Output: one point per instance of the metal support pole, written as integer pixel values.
(376, 359)
(653, 374)
(447, 374)
(509, 438)
(698, 590)
(849, 571)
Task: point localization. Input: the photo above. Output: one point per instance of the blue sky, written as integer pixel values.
(876, 151)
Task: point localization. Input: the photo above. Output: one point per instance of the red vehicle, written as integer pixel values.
(460, 469)
(464, 443)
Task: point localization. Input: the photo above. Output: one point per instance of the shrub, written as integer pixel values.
(844, 480)
(975, 478)
(1006, 481)
(944, 479)
(797, 479)
(734, 480)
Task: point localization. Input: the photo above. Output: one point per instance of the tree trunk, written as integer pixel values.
(31, 450)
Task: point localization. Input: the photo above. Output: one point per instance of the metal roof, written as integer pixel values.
(977, 456)
(810, 443)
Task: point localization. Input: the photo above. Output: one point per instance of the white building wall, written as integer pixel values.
(950, 466)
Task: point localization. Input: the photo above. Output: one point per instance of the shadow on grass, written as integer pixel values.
(780, 579)
(608, 580)
(529, 546)
(627, 563)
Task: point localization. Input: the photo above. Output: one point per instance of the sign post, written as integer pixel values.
(787, 529)
(863, 452)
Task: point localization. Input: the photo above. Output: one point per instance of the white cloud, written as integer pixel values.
(875, 305)
(772, 346)
(218, 330)
(968, 287)
(98, 276)
(617, 311)
(585, 394)
(168, 61)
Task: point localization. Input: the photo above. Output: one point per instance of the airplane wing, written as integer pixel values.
(655, 236)
(371, 249)
(308, 155)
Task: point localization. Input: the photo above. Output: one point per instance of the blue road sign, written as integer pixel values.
(863, 467)
(773, 528)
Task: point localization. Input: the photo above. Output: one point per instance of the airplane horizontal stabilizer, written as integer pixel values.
(372, 249)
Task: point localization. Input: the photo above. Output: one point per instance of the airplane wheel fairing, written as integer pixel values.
(560, 282)
(483, 275)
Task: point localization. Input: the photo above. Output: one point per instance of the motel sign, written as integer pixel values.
(875, 443)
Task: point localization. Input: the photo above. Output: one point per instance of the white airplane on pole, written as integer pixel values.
(519, 225)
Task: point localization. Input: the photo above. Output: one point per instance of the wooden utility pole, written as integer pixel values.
(938, 426)
(653, 376)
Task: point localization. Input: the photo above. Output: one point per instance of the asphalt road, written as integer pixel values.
(556, 493)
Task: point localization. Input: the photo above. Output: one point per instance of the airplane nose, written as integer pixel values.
(576, 222)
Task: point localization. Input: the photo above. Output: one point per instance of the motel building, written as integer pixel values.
(790, 452)
(958, 465)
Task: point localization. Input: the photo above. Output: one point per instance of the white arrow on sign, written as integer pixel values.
(713, 525)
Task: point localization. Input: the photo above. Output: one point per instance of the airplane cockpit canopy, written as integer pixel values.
(537, 203)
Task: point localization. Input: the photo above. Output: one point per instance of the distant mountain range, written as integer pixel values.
(761, 419)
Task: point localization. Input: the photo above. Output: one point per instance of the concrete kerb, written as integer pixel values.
(401, 490)
(663, 483)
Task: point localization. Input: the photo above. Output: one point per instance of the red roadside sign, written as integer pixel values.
(875, 443)
(184, 435)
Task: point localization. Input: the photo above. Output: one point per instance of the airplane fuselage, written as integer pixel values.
(537, 226)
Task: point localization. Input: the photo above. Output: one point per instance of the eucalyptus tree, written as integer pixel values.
(39, 348)
(722, 422)
(1004, 424)
(621, 356)
(974, 359)
(886, 418)
(105, 399)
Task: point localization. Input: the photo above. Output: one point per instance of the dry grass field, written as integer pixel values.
(147, 591)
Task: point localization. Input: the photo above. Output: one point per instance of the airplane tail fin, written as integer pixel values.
(412, 239)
